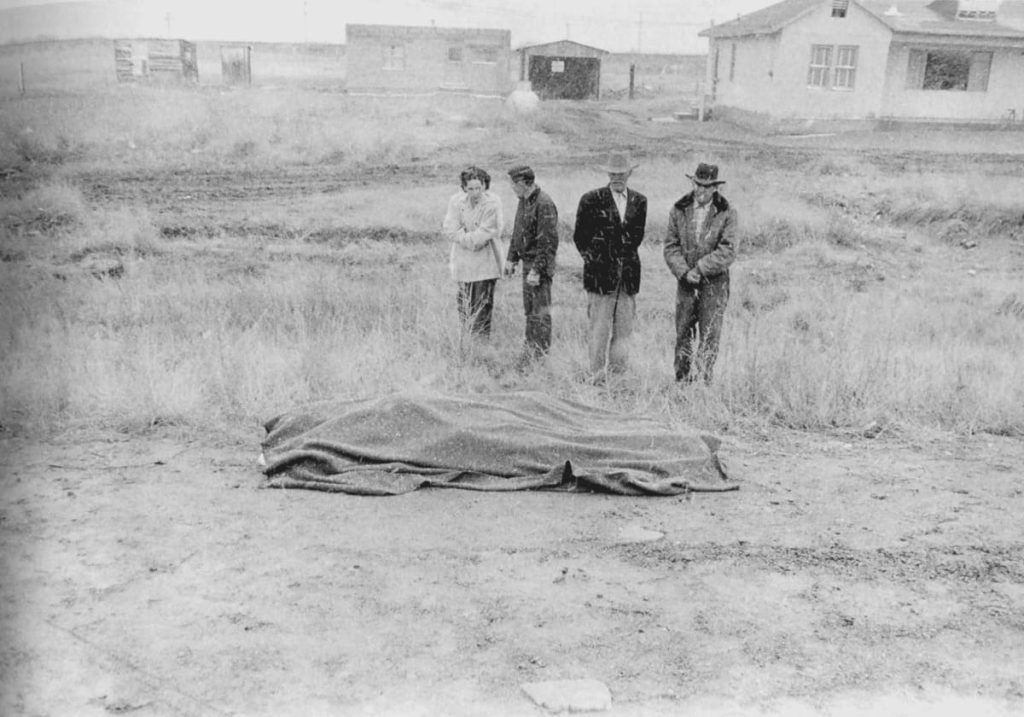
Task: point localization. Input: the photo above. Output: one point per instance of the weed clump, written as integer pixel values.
(49, 208)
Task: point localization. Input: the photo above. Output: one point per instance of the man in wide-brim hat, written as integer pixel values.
(610, 224)
(700, 246)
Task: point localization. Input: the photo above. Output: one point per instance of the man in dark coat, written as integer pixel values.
(699, 248)
(610, 223)
(535, 243)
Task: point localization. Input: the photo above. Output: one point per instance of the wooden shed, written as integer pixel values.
(425, 59)
(155, 60)
(564, 70)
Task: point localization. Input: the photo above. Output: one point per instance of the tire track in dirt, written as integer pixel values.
(975, 563)
(175, 186)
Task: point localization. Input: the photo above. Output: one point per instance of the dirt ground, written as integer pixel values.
(848, 575)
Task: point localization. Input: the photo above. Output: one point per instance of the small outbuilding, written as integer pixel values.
(422, 59)
(156, 60)
(563, 70)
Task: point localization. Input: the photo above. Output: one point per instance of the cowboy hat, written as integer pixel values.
(618, 163)
(706, 175)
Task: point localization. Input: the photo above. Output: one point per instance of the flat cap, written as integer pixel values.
(521, 172)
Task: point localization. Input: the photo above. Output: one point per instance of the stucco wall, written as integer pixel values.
(770, 73)
(1005, 89)
(427, 67)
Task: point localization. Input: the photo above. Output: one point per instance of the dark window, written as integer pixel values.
(454, 54)
(839, 7)
(949, 70)
(732, 63)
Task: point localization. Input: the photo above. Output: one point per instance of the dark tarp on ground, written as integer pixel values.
(508, 441)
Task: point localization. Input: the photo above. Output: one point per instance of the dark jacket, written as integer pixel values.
(608, 246)
(711, 250)
(535, 234)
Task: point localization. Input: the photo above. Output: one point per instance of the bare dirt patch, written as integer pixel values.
(153, 576)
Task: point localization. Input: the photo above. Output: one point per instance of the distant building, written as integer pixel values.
(564, 70)
(403, 58)
(155, 60)
(872, 59)
(56, 65)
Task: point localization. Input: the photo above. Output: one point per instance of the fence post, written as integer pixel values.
(632, 76)
(21, 77)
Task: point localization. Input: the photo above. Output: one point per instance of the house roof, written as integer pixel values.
(918, 17)
(537, 49)
(358, 30)
(766, 21)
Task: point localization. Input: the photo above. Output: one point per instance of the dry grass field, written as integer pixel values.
(178, 266)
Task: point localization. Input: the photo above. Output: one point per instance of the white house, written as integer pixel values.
(872, 59)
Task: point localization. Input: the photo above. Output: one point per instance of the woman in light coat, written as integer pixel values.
(473, 225)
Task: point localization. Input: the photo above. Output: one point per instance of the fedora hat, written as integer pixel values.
(706, 175)
(618, 163)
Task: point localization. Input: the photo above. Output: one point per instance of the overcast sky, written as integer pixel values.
(616, 25)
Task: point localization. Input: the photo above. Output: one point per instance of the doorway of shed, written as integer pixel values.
(565, 78)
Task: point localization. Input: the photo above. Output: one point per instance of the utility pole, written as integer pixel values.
(640, 35)
(167, 17)
(305, 21)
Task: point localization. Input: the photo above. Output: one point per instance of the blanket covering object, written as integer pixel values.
(506, 441)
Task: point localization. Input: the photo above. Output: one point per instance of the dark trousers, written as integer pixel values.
(537, 305)
(476, 304)
(699, 314)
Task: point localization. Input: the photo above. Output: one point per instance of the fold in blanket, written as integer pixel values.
(509, 441)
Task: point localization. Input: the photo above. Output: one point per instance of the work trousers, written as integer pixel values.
(699, 314)
(476, 304)
(611, 319)
(537, 305)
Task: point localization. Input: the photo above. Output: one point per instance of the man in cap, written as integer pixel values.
(700, 245)
(610, 224)
(535, 243)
